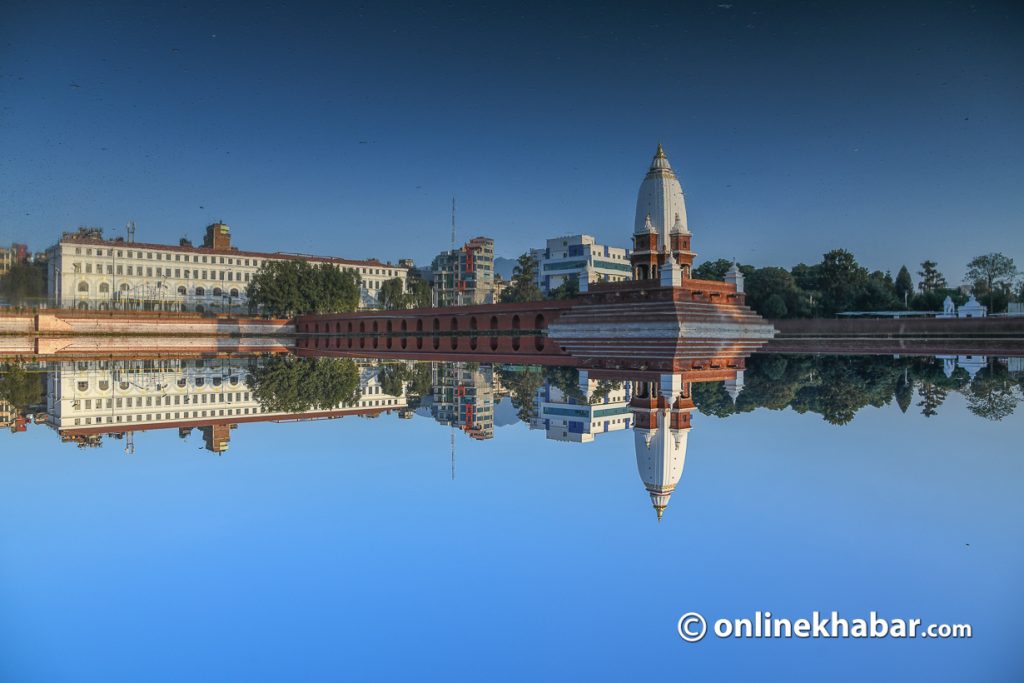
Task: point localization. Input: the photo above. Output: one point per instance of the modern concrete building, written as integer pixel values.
(579, 257)
(87, 400)
(86, 271)
(464, 276)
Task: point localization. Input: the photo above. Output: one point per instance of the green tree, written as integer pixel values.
(524, 282)
(807, 278)
(992, 276)
(931, 278)
(879, 293)
(904, 286)
(712, 270)
(24, 284)
(773, 293)
(295, 287)
(932, 300)
(842, 281)
(418, 294)
(570, 289)
(392, 294)
(289, 384)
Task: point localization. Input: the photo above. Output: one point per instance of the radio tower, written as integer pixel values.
(456, 274)
(130, 229)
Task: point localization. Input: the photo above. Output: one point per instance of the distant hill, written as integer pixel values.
(504, 266)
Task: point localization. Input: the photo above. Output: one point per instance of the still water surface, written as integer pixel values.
(501, 522)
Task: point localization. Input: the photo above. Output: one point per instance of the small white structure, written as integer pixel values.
(671, 273)
(734, 277)
(948, 308)
(971, 309)
(734, 386)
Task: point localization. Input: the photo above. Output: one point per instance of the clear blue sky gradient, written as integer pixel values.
(895, 130)
(342, 550)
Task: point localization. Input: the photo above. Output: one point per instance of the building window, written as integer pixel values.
(104, 288)
(83, 287)
(200, 291)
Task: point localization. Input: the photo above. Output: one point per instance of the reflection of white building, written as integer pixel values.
(662, 423)
(564, 418)
(86, 271)
(88, 399)
(972, 364)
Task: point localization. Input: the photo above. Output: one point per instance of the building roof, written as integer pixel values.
(71, 239)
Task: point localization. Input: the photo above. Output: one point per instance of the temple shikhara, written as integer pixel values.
(661, 240)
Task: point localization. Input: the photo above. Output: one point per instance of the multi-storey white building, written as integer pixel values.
(565, 418)
(88, 399)
(88, 272)
(580, 257)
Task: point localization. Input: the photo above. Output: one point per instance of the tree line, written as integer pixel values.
(839, 283)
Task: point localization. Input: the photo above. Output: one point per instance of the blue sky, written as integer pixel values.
(343, 550)
(894, 130)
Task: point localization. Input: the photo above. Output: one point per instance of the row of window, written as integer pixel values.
(128, 290)
(149, 271)
(222, 412)
(148, 401)
(203, 258)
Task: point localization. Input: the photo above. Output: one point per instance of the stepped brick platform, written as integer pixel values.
(638, 324)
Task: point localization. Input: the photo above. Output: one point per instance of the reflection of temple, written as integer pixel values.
(661, 411)
(463, 397)
(972, 364)
(88, 399)
(581, 417)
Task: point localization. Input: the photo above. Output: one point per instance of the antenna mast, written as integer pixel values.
(130, 229)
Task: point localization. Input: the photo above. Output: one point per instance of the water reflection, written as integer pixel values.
(86, 402)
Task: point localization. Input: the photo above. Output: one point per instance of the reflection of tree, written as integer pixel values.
(413, 378)
(711, 398)
(392, 378)
(567, 380)
(288, 384)
(993, 393)
(522, 383)
(19, 387)
(904, 390)
(838, 387)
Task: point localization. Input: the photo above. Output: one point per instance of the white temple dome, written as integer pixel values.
(661, 198)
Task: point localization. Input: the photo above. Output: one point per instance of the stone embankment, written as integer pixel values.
(139, 323)
(986, 336)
